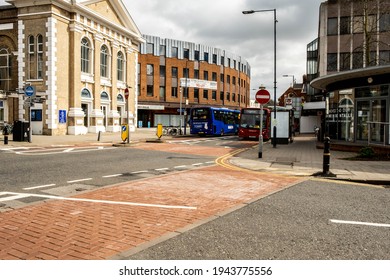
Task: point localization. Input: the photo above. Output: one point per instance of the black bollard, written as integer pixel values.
(326, 161)
(5, 139)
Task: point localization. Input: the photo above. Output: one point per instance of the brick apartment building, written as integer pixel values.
(163, 63)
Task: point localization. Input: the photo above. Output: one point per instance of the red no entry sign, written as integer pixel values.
(263, 96)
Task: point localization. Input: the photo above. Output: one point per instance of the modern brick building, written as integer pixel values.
(214, 77)
(79, 56)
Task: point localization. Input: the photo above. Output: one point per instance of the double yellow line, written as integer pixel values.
(223, 160)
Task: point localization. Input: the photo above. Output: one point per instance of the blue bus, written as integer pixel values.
(214, 121)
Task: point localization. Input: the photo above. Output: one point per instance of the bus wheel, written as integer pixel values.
(222, 132)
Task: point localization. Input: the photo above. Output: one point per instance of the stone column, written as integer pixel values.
(97, 116)
(113, 115)
(75, 114)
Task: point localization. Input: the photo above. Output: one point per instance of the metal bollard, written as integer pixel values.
(5, 139)
(326, 159)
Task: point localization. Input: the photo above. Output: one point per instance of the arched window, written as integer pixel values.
(85, 56)
(85, 93)
(104, 96)
(121, 67)
(104, 62)
(120, 98)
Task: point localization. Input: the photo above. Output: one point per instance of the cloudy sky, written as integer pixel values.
(221, 24)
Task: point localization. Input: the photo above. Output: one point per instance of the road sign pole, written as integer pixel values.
(261, 132)
(262, 97)
(127, 114)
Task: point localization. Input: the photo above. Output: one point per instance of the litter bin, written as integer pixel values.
(20, 131)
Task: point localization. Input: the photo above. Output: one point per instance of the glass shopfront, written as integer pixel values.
(360, 115)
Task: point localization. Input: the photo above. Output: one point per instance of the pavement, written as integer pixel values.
(117, 221)
(300, 158)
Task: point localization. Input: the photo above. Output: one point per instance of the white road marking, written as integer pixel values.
(39, 187)
(161, 169)
(197, 164)
(360, 223)
(79, 180)
(113, 175)
(139, 172)
(180, 167)
(15, 148)
(13, 196)
(99, 201)
(53, 151)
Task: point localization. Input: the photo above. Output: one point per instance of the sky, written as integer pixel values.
(221, 24)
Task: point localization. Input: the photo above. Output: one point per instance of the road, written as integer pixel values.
(313, 220)
(68, 170)
(184, 202)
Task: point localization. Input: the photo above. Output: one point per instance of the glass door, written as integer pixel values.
(104, 110)
(363, 113)
(378, 119)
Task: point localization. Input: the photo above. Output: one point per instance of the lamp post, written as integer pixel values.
(293, 79)
(275, 21)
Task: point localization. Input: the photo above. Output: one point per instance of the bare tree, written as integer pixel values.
(371, 18)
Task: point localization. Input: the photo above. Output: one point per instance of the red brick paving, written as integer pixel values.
(58, 229)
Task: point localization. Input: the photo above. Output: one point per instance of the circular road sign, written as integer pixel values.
(29, 91)
(126, 93)
(263, 96)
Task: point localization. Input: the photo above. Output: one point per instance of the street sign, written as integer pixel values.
(62, 116)
(29, 91)
(263, 96)
(126, 93)
(125, 132)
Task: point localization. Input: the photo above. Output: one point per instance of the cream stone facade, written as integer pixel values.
(80, 57)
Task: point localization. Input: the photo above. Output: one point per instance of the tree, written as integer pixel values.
(371, 18)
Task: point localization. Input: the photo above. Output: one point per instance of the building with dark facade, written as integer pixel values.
(353, 70)
(174, 76)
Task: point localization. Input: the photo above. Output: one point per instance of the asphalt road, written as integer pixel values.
(313, 220)
(93, 166)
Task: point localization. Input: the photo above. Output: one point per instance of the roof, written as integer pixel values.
(352, 78)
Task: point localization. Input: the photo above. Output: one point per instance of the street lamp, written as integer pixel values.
(275, 21)
(181, 99)
(293, 81)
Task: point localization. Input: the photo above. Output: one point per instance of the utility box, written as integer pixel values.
(20, 131)
(284, 126)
